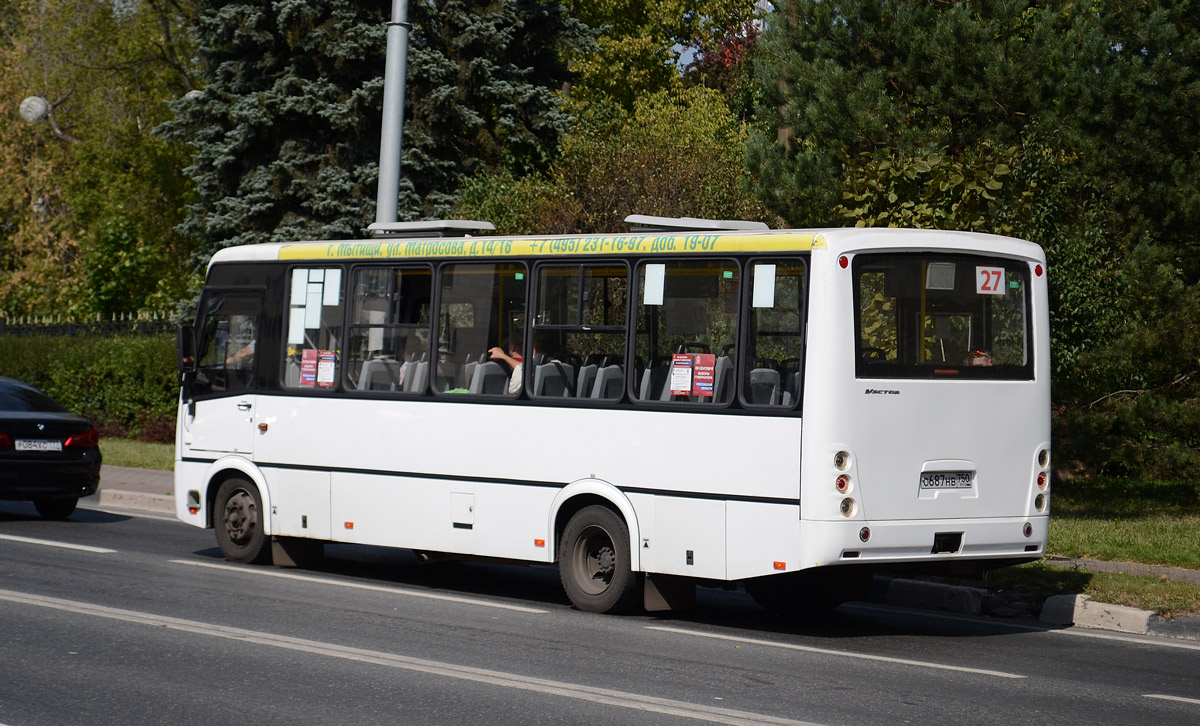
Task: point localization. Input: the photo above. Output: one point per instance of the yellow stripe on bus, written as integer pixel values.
(526, 246)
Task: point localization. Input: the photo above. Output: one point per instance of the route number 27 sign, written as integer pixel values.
(989, 280)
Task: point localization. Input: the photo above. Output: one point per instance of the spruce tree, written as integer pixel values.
(285, 134)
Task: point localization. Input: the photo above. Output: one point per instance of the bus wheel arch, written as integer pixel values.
(594, 561)
(585, 492)
(235, 481)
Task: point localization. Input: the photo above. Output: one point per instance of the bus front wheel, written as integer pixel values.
(594, 562)
(239, 522)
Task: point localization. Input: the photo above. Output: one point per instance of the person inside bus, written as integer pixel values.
(411, 355)
(510, 353)
(981, 358)
(243, 358)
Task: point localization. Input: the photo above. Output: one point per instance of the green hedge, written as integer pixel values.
(127, 385)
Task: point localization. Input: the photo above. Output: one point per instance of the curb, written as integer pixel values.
(1079, 611)
(1083, 611)
(120, 499)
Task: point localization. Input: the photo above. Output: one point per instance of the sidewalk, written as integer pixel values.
(152, 491)
(148, 490)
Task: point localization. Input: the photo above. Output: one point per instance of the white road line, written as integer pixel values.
(360, 586)
(1180, 699)
(61, 545)
(502, 679)
(843, 653)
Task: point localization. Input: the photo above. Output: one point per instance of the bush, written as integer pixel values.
(126, 385)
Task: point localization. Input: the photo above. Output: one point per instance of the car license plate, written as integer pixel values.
(37, 445)
(946, 479)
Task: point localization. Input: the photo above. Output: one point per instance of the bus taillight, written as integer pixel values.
(841, 460)
(1041, 480)
(864, 534)
(1040, 502)
(842, 484)
(1027, 530)
(848, 507)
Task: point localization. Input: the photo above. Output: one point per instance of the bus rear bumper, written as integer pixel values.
(924, 541)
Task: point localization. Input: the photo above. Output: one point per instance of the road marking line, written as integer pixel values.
(564, 689)
(1173, 698)
(827, 651)
(61, 545)
(360, 586)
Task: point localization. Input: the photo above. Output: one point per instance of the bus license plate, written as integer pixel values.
(37, 445)
(946, 480)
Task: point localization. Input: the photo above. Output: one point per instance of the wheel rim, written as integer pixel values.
(595, 560)
(241, 517)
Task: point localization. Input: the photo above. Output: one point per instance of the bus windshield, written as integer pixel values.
(929, 315)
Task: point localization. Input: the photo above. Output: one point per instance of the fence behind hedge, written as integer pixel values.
(117, 324)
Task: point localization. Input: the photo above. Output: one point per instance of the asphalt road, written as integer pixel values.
(113, 619)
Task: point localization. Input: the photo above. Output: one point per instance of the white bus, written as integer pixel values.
(792, 410)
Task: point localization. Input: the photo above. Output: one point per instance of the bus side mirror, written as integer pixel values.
(185, 345)
(185, 342)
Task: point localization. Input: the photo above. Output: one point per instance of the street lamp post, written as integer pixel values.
(392, 136)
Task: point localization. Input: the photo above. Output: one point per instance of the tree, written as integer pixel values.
(1092, 110)
(642, 45)
(286, 134)
(90, 197)
(677, 154)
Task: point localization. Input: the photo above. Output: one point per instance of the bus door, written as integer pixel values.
(222, 416)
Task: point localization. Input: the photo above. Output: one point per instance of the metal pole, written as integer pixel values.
(392, 137)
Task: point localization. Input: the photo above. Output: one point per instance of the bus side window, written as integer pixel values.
(773, 362)
(482, 307)
(313, 357)
(579, 331)
(228, 344)
(686, 320)
(389, 329)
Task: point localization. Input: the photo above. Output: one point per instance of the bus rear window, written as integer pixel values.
(926, 315)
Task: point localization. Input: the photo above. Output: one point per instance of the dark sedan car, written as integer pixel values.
(48, 455)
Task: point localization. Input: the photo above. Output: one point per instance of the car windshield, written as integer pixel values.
(19, 397)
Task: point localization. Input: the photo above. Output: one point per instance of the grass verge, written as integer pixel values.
(140, 454)
(1155, 523)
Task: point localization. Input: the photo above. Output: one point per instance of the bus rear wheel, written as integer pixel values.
(239, 522)
(594, 562)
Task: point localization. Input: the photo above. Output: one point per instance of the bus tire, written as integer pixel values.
(239, 522)
(594, 562)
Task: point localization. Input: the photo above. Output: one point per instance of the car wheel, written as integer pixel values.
(57, 508)
(594, 562)
(239, 522)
